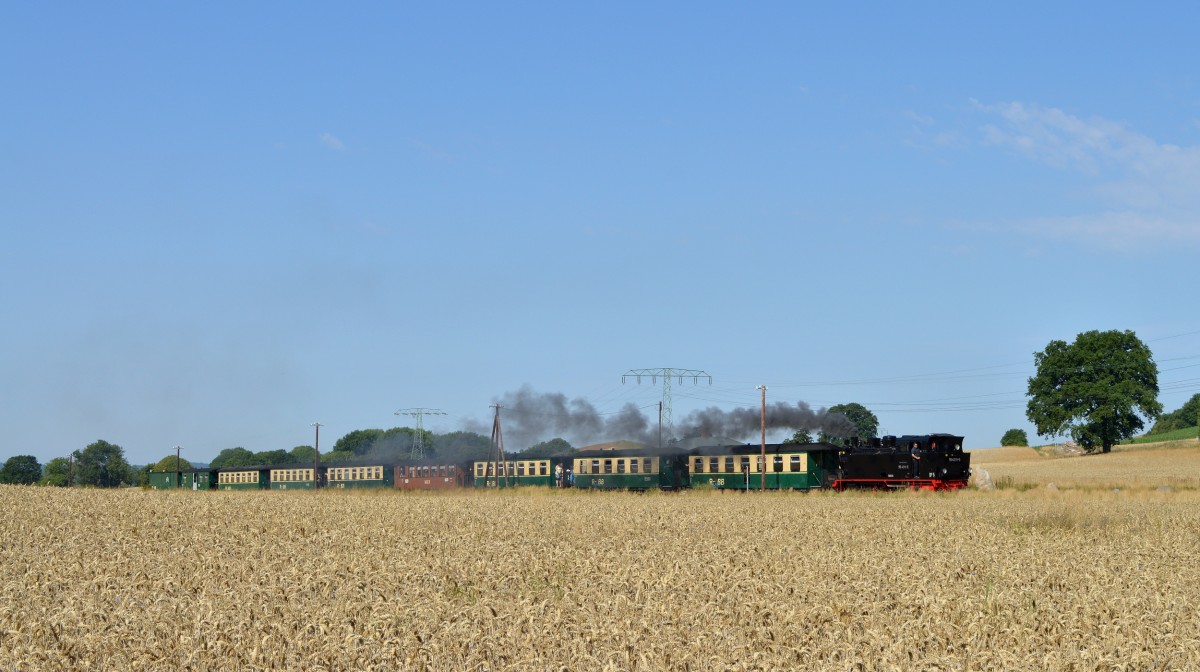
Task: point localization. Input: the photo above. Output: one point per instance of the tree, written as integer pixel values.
(1015, 437)
(168, 464)
(278, 456)
(457, 447)
(359, 441)
(338, 457)
(57, 472)
(303, 454)
(21, 470)
(233, 457)
(1186, 416)
(801, 436)
(101, 464)
(551, 448)
(866, 425)
(1095, 387)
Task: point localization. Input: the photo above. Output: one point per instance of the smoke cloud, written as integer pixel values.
(528, 417)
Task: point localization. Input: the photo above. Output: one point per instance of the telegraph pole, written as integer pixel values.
(316, 454)
(496, 451)
(178, 469)
(762, 461)
(418, 448)
(660, 425)
(666, 375)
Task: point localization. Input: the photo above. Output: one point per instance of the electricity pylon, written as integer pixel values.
(418, 447)
(666, 375)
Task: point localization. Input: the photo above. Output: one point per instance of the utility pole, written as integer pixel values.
(666, 375)
(660, 425)
(418, 448)
(496, 451)
(316, 454)
(178, 469)
(762, 461)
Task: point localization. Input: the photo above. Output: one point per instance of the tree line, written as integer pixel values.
(1099, 389)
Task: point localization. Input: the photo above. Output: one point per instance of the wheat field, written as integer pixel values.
(1174, 465)
(537, 579)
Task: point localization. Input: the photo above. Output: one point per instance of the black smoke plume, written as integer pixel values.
(528, 417)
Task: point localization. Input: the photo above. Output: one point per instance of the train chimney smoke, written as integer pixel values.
(529, 417)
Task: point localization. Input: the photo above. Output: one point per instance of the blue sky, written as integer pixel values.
(226, 221)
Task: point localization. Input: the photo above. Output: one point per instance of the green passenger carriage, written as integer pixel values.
(359, 476)
(244, 478)
(787, 466)
(629, 470)
(188, 479)
(293, 478)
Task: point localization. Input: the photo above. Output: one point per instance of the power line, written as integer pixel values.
(666, 375)
(418, 447)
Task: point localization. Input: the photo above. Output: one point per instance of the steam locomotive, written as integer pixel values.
(924, 462)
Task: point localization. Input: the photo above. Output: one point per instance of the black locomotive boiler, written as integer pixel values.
(926, 462)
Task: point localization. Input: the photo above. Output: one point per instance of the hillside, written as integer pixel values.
(1146, 466)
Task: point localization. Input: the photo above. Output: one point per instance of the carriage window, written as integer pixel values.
(778, 461)
(544, 469)
(608, 466)
(633, 466)
(620, 466)
(745, 464)
(795, 464)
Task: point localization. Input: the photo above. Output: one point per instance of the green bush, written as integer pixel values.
(1014, 437)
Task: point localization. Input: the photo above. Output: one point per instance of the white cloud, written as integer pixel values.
(1142, 191)
(332, 142)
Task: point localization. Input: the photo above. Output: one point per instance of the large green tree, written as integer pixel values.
(866, 425)
(277, 456)
(21, 470)
(57, 472)
(102, 464)
(358, 441)
(233, 457)
(302, 454)
(168, 464)
(1097, 388)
